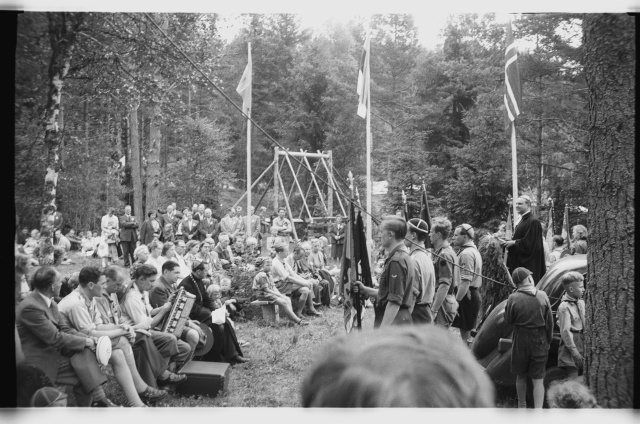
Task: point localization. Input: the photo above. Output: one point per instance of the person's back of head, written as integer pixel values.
(396, 224)
(89, 274)
(412, 366)
(570, 394)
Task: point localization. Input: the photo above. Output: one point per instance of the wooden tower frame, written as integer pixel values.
(282, 157)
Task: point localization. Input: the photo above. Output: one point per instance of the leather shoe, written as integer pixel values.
(172, 379)
(314, 313)
(152, 395)
(103, 403)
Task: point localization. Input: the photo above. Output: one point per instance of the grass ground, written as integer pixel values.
(279, 357)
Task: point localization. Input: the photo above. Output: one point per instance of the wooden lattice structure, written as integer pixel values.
(282, 160)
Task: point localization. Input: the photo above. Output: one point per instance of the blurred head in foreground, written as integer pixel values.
(570, 394)
(412, 366)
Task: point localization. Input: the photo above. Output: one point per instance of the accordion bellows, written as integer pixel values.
(174, 321)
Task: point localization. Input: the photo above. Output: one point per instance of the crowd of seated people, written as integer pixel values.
(64, 316)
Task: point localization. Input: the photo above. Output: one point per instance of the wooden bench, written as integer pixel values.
(270, 311)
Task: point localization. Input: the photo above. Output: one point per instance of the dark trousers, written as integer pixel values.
(128, 247)
(328, 285)
(149, 361)
(225, 343)
(82, 367)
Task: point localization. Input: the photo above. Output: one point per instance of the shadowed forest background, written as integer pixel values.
(437, 115)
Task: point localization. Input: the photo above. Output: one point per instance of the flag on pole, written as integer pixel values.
(424, 214)
(512, 91)
(363, 79)
(354, 267)
(549, 238)
(508, 235)
(566, 230)
(405, 208)
(244, 86)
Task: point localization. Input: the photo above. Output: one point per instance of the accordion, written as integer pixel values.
(174, 321)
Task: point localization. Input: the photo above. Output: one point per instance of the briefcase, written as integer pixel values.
(205, 378)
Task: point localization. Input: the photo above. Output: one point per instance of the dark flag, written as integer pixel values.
(424, 214)
(355, 267)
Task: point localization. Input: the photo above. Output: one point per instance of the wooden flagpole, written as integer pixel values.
(514, 168)
(369, 188)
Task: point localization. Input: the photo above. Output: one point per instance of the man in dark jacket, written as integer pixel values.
(63, 353)
(526, 248)
(225, 343)
(209, 227)
(128, 236)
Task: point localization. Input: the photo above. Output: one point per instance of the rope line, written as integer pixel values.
(334, 187)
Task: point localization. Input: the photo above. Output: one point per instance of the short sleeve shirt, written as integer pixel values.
(396, 281)
(470, 260)
(443, 264)
(134, 308)
(81, 312)
(426, 275)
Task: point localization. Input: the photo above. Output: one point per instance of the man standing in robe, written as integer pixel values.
(526, 249)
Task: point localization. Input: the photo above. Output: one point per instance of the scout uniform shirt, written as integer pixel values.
(397, 280)
(470, 260)
(571, 324)
(446, 272)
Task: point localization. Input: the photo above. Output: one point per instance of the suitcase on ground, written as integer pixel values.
(205, 378)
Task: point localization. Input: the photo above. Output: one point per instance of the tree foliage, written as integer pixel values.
(437, 115)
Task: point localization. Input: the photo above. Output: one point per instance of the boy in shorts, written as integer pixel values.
(571, 324)
(529, 311)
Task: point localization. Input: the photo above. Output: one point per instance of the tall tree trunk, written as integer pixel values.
(63, 28)
(136, 172)
(153, 161)
(610, 57)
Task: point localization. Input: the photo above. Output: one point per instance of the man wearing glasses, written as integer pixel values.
(468, 295)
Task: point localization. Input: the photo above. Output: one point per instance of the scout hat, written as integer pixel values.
(46, 396)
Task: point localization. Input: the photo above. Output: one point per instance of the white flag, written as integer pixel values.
(244, 86)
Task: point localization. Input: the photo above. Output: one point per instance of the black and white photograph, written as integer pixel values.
(343, 206)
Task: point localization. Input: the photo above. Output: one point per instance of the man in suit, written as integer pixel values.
(50, 344)
(169, 217)
(128, 235)
(209, 227)
(190, 229)
(229, 224)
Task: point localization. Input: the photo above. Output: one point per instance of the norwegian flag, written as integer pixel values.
(512, 91)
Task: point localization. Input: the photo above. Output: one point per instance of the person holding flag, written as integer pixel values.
(395, 298)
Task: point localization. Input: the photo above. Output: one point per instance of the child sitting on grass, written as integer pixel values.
(571, 324)
(265, 290)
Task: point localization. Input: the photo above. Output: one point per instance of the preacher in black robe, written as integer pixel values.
(528, 250)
